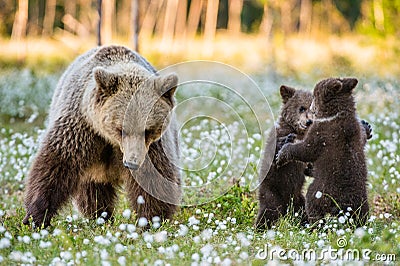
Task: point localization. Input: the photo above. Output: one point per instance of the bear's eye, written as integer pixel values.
(302, 109)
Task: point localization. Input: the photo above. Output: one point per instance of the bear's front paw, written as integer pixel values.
(38, 221)
(282, 157)
(290, 138)
(368, 128)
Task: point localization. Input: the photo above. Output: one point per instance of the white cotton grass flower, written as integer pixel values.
(66, 255)
(140, 199)
(161, 236)
(193, 221)
(119, 248)
(342, 219)
(122, 260)
(244, 255)
(131, 228)
(57, 232)
(142, 222)
(195, 257)
(100, 221)
(122, 227)
(183, 230)
(104, 254)
(36, 236)
(226, 262)
(44, 233)
(318, 194)
(44, 244)
(5, 243)
(127, 213)
(26, 239)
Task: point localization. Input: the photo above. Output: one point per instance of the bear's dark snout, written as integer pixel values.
(309, 122)
(131, 166)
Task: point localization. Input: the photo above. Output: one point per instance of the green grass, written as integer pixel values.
(218, 231)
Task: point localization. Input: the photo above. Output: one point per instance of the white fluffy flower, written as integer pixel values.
(142, 222)
(140, 199)
(318, 195)
(342, 219)
(126, 213)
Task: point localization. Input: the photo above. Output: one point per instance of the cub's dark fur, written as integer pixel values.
(335, 145)
(280, 188)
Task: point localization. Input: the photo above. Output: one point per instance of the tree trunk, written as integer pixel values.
(169, 22)
(107, 10)
(196, 7)
(149, 20)
(286, 16)
(379, 16)
(305, 17)
(99, 36)
(210, 26)
(69, 8)
(20, 21)
(48, 22)
(266, 23)
(234, 17)
(180, 24)
(135, 24)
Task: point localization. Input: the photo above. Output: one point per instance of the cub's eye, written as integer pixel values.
(302, 109)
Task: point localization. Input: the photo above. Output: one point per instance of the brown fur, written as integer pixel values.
(110, 109)
(281, 188)
(335, 145)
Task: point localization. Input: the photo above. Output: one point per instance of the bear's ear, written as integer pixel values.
(167, 86)
(286, 93)
(349, 84)
(107, 82)
(328, 88)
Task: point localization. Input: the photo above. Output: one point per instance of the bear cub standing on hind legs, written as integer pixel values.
(335, 145)
(281, 188)
(110, 122)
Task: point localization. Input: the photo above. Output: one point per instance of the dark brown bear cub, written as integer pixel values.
(110, 124)
(335, 145)
(281, 188)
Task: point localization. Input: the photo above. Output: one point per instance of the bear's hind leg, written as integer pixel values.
(271, 209)
(93, 199)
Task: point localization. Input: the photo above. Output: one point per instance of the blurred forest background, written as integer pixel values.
(291, 36)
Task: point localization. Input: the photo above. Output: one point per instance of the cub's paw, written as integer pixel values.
(282, 157)
(368, 128)
(309, 170)
(290, 138)
(285, 140)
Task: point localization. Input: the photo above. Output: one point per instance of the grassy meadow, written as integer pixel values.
(213, 228)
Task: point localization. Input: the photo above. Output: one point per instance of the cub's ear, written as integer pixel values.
(107, 82)
(167, 86)
(328, 88)
(349, 84)
(286, 93)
